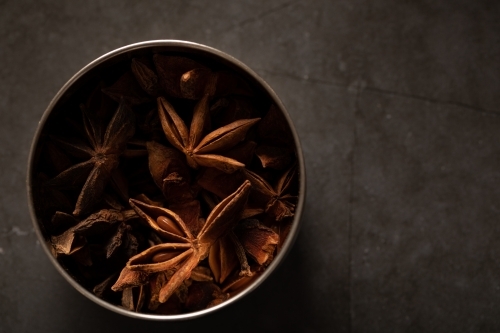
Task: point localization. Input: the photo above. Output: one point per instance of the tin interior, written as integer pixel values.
(112, 61)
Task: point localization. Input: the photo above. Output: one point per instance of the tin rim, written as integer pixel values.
(186, 47)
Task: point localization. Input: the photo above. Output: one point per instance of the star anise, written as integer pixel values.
(258, 240)
(227, 253)
(248, 237)
(182, 252)
(203, 150)
(103, 149)
(170, 70)
(277, 200)
(170, 174)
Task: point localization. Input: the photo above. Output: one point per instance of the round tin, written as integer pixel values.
(181, 48)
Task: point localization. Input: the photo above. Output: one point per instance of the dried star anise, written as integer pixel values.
(258, 240)
(203, 150)
(103, 148)
(183, 251)
(225, 256)
(277, 200)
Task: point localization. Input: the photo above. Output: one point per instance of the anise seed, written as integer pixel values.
(168, 225)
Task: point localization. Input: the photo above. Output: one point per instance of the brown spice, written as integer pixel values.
(211, 205)
(104, 151)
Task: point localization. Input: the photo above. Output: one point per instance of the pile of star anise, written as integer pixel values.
(166, 185)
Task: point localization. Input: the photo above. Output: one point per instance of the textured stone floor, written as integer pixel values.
(397, 104)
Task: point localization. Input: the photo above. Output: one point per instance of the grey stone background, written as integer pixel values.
(397, 104)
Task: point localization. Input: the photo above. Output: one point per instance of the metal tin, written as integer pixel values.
(188, 48)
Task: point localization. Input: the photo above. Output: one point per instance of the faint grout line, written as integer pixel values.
(432, 100)
(381, 91)
(351, 204)
(302, 79)
(260, 15)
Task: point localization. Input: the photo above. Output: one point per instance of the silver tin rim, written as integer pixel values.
(186, 47)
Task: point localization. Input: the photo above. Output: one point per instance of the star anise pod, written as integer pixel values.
(203, 150)
(227, 253)
(222, 184)
(258, 240)
(277, 200)
(122, 237)
(170, 70)
(103, 149)
(185, 78)
(182, 252)
(145, 76)
(74, 238)
(156, 284)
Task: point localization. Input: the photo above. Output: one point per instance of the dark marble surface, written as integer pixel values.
(397, 106)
